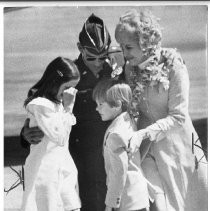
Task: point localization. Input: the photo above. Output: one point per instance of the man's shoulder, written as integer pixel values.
(115, 53)
(115, 59)
(114, 49)
(79, 63)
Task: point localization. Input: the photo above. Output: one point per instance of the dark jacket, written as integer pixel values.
(89, 130)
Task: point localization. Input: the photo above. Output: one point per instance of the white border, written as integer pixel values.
(75, 3)
(100, 3)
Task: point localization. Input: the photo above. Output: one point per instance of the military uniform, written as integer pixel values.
(86, 139)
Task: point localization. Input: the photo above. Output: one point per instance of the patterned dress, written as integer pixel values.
(175, 162)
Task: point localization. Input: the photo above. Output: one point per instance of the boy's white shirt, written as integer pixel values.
(120, 171)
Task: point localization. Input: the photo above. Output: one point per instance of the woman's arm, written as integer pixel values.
(178, 100)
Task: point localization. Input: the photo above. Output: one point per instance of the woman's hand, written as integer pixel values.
(33, 135)
(69, 97)
(135, 142)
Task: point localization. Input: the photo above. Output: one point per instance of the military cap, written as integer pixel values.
(94, 35)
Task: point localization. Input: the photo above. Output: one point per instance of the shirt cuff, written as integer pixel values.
(154, 132)
(113, 202)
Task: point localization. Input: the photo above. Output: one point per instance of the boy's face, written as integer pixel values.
(106, 111)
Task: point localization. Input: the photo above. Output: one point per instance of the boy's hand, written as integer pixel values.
(69, 97)
(33, 135)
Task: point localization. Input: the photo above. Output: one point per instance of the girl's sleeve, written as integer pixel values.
(178, 101)
(55, 125)
(118, 170)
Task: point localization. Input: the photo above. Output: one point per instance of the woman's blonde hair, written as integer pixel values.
(113, 92)
(145, 26)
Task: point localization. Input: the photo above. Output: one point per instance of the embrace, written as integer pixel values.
(111, 130)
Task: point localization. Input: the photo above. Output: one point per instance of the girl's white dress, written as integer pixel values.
(50, 172)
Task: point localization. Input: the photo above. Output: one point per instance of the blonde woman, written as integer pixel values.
(160, 83)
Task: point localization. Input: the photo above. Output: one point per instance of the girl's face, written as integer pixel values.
(106, 111)
(130, 46)
(65, 86)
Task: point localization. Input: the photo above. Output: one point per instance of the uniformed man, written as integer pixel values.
(86, 138)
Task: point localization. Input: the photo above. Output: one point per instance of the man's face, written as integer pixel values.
(93, 62)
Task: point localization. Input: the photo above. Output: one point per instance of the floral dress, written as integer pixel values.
(50, 172)
(174, 162)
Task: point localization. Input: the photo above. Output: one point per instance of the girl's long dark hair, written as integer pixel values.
(59, 71)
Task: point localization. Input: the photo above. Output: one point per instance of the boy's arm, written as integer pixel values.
(118, 170)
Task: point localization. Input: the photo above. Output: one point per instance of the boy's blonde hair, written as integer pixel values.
(113, 92)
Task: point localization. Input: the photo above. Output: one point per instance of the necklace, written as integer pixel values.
(152, 72)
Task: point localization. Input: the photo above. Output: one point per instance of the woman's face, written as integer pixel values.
(129, 43)
(65, 86)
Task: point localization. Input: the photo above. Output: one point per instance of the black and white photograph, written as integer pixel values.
(105, 106)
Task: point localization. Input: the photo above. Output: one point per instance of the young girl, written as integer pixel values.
(126, 185)
(50, 172)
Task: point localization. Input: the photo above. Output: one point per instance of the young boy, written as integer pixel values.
(126, 185)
